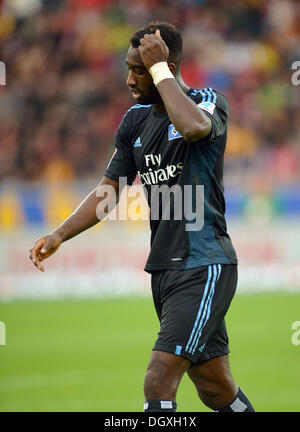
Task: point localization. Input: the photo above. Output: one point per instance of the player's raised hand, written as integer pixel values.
(43, 248)
(153, 49)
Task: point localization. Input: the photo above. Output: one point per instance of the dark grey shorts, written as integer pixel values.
(191, 306)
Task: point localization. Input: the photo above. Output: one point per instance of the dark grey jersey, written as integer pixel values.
(147, 144)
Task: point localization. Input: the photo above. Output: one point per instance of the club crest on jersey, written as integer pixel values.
(207, 106)
(173, 133)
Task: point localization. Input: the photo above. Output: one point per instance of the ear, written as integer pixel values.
(172, 67)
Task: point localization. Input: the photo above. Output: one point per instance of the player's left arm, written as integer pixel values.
(188, 119)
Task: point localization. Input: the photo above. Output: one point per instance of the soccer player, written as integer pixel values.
(174, 136)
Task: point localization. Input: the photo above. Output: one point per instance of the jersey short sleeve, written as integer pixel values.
(122, 163)
(215, 106)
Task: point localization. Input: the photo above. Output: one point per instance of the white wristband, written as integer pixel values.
(160, 71)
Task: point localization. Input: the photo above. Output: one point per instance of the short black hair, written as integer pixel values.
(170, 34)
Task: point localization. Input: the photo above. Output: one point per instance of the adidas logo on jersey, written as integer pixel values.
(137, 142)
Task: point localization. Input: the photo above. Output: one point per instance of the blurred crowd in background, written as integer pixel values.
(66, 92)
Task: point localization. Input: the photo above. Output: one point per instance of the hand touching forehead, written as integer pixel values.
(153, 49)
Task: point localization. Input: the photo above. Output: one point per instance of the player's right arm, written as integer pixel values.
(85, 216)
(89, 212)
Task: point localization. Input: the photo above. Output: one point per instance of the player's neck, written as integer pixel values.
(159, 108)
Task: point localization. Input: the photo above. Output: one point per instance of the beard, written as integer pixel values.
(150, 98)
